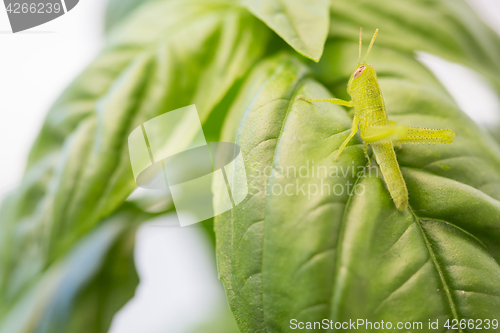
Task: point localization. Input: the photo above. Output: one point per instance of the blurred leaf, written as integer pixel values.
(112, 287)
(94, 172)
(164, 56)
(494, 130)
(301, 23)
(447, 28)
(118, 10)
(97, 275)
(316, 252)
(21, 261)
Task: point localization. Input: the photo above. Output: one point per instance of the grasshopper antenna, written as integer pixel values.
(371, 44)
(360, 44)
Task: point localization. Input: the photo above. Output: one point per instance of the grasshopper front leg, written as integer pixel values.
(354, 130)
(337, 101)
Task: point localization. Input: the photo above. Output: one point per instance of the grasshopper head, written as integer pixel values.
(361, 72)
(362, 69)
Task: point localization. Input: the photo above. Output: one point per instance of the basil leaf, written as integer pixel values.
(301, 23)
(308, 246)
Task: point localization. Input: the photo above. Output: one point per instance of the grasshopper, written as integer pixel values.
(377, 130)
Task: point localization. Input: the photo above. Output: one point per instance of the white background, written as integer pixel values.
(179, 285)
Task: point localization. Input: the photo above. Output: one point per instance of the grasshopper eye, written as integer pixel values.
(358, 72)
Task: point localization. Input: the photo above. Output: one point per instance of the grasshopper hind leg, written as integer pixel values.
(426, 135)
(386, 159)
(406, 134)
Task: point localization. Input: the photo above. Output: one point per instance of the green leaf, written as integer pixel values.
(118, 10)
(203, 75)
(164, 56)
(328, 249)
(109, 290)
(449, 29)
(306, 256)
(94, 174)
(301, 23)
(273, 123)
(97, 275)
(436, 254)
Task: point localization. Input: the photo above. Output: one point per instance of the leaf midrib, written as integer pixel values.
(439, 270)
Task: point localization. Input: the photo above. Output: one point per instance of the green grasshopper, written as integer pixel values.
(371, 118)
